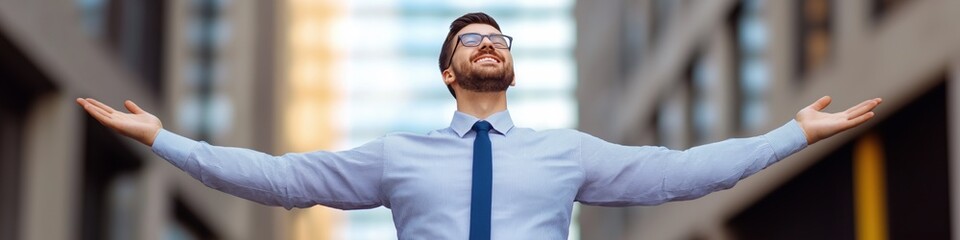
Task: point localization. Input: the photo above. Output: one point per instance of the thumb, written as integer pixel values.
(821, 103)
(133, 107)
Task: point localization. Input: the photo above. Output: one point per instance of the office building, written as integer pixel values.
(200, 65)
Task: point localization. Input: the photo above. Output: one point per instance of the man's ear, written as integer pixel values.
(448, 76)
(513, 83)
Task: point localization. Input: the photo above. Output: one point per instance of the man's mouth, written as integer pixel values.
(486, 58)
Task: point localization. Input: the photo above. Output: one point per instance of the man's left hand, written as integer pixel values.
(819, 125)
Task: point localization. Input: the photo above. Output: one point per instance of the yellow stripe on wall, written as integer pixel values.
(870, 196)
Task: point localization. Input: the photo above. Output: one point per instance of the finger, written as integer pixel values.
(860, 119)
(132, 107)
(854, 108)
(97, 113)
(821, 103)
(81, 102)
(861, 108)
(100, 105)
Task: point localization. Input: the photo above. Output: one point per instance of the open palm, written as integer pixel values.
(138, 124)
(819, 125)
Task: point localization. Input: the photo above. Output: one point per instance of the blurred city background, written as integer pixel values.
(303, 75)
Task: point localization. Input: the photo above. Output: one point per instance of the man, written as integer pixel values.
(481, 177)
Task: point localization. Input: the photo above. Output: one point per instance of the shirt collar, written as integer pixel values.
(462, 122)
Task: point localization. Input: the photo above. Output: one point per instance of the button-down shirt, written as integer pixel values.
(425, 179)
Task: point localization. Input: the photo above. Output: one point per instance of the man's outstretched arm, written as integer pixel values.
(346, 179)
(619, 175)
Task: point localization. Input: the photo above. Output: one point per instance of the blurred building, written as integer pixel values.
(685, 73)
(205, 67)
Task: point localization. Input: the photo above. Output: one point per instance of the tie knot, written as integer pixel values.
(481, 126)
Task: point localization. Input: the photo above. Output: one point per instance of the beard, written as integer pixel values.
(483, 79)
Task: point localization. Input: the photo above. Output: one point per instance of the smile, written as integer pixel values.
(486, 58)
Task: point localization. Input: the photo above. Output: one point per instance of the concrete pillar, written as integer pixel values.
(155, 212)
(52, 153)
(953, 118)
(721, 60)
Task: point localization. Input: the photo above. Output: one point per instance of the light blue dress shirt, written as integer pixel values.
(425, 179)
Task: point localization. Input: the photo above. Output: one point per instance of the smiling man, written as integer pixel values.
(481, 177)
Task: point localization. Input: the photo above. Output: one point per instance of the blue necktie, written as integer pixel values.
(480, 194)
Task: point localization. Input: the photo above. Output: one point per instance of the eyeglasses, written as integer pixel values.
(475, 39)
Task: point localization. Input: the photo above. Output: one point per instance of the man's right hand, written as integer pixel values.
(138, 124)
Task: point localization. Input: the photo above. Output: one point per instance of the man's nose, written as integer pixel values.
(485, 43)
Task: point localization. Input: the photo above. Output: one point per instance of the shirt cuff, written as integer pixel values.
(174, 148)
(787, 139)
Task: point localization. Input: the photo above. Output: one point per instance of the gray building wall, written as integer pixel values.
(51, 144)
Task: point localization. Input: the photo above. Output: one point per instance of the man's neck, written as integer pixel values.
(481, 105)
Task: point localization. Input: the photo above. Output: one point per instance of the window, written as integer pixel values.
(205, 113)
(815, 35)
(751, 74)
(673, 117)
(702, 79)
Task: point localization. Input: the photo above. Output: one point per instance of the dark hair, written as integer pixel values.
(456, 26)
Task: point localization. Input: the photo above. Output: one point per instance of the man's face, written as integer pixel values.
(484, 68)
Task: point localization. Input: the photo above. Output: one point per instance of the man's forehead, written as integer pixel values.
(478, 28)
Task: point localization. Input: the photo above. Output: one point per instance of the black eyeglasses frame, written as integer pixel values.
(482, 36)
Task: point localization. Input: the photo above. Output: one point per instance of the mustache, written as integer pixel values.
(487, 50)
